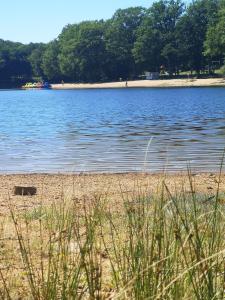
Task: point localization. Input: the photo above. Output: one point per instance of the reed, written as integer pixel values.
(163, 245)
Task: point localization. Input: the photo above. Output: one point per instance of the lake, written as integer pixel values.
(113, 130)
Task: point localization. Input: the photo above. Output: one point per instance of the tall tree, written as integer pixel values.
(120, 37)
(13, 61)
(82, 51)
(50, 63)
(191, 32)
(215, 38)
(156, 43)
(147, 48)
(35, 59)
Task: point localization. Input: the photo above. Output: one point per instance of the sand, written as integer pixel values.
(40, 233)
(211, 82)
(55, 187)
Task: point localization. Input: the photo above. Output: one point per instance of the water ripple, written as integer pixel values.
(109, 130)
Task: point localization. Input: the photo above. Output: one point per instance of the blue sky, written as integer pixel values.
(42, 20)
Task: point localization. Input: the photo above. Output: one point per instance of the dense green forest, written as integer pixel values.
(169, 37)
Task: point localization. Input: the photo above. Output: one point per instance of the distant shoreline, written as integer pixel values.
(161, 83)
(209, 82)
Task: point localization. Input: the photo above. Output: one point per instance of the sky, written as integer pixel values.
(42, 20)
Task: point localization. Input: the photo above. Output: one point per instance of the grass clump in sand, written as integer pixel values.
(163, 245)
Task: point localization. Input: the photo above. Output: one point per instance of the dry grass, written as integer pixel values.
(141, 241)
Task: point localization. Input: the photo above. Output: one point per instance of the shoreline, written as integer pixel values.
(51, 187)
(166, 83)
(122, 173)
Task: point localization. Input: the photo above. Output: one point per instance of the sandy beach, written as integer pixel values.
(52, 187)
(211, 82)
(69, 213)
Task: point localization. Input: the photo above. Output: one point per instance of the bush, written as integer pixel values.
(222, 70)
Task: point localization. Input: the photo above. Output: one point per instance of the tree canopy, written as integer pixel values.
(169, 36)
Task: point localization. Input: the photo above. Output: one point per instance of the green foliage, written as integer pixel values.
(82, 51)
(156, 43)
(50, 62)
(222, 70)
(191, 32)
(215, 39)
(168, 36)
(121, 34)
(35, 59)
(13, 60)
(147, 47)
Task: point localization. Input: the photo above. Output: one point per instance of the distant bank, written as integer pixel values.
(211, 82)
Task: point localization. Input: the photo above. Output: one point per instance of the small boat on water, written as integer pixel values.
(36, 85)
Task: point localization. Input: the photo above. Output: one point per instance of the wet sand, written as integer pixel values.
(114, 187)
(211, 82)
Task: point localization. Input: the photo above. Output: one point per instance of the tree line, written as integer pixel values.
(169, 37)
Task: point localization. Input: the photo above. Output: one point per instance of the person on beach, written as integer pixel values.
(126, 84)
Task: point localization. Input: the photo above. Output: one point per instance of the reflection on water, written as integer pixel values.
(109, 130)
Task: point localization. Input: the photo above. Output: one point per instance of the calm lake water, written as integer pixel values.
(109, 130)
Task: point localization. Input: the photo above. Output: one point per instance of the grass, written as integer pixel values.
(163, 245)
